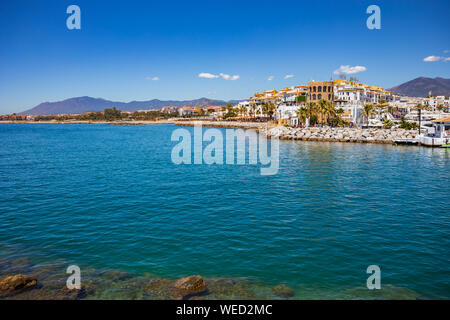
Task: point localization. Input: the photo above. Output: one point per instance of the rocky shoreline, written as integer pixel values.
(20, 279)
(326, 134)
(355, 135)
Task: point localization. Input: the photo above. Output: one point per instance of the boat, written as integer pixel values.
(438, 135)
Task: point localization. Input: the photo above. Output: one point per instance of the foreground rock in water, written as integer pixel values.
(283, 291)
(189, 286)
(17, 283)
(371, 135)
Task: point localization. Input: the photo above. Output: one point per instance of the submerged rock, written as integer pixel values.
(17, 283)
(117, 275)
(387, 292)
(71, 294)
(160, 288)
(283, 291)
(228, 288)
(189, 286)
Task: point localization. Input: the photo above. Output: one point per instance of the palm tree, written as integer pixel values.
(368, 110)
(310, 110)
(419, 109)
(440, 108)
(242, 110)
(339, 113)
(335, 117)
(268, 108)
(302, 113)
(309, 106)
(325, 108)
(330, 110)
(321, 109)
(389, 109)
(253, 110)
(271, 108)
(264, 108)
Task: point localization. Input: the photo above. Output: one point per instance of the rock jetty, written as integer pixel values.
(358, 135)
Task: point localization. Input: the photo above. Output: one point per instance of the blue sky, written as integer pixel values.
(123, 45)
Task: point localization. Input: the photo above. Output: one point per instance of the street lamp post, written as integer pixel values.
(420, 119)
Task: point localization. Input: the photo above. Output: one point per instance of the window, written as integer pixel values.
(324, 89)
(329, 89)
(329, 96)
(319, 96)
(314, 89)
(314, 96)
(319, 88)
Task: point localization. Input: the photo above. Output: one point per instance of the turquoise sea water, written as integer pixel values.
(109, 197)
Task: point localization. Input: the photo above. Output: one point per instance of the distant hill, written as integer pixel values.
(88, 104)
(420, 87)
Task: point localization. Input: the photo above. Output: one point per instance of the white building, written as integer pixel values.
(289, 105)
(352, 96)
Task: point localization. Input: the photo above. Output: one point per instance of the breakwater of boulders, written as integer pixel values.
(21, 279)
(357, 135)
(339, 134)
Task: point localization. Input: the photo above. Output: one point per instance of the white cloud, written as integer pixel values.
(270, 78)
(152, 78)
(432, 58)
(228, 77)
(446, 51)
(215, 76)
(349, 70)
(207, 75)
(436, 58)
(288, 76)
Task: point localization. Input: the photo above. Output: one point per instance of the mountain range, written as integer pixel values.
(89, 104)
(421, 87)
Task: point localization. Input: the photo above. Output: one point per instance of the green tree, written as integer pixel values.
(330, 110)
(243, 110)
(253, 110)
(112, 114)
(368, 110)
(407, 125)
(268, 108)
(387, 124)
(302, 114)
(322, 108)
(230, 112)
(312, 112)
